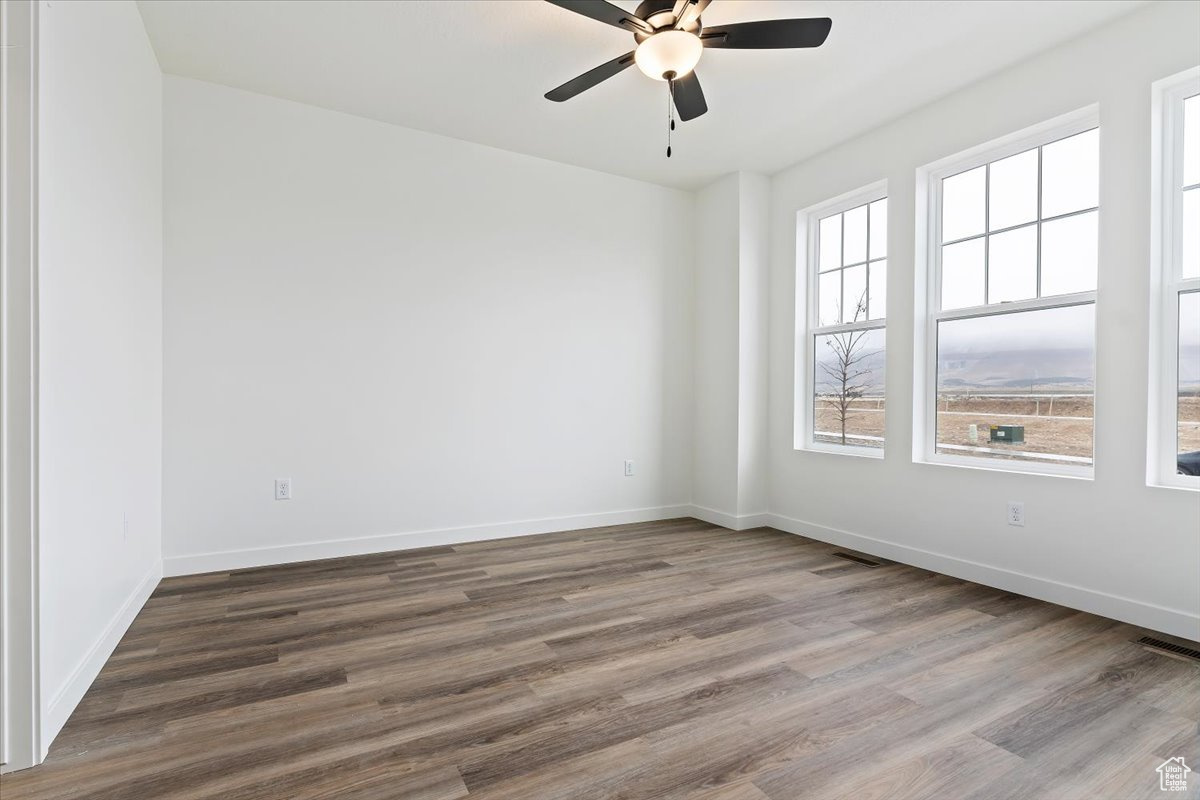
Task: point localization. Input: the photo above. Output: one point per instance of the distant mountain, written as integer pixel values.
(1007, 369)
(1189, 367)
(1058, 368)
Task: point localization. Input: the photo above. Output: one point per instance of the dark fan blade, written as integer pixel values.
(689, 97)
(688, 10)
(769, 34)
(590, 78)
(605, 12)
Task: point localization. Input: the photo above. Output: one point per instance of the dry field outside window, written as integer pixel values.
(1055, 425)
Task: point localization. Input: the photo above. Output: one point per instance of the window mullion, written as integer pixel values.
(867, 256)
(1017, 306)
(842, 272)
(1064, 215)
(987, 223)
(849, 327)
(971, 238)
(1038, 287)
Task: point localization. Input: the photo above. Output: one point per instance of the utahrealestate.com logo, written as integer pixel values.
(1172, 775)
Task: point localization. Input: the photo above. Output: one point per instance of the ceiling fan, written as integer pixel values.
(670, 40)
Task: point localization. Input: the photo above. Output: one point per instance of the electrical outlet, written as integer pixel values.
(629, 468)
(1016, 514)
(125, 525)
(283, 488)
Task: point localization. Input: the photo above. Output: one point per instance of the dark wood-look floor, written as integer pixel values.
(667, 660)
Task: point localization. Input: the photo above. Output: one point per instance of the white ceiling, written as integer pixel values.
(477, 70)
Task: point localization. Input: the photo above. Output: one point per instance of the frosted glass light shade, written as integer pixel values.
(669, 51)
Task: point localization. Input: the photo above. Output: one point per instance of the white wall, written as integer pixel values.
(715, 328)
(100, 338)
(753, 303)
(434, 340)
(1109, 545)
(729, 470)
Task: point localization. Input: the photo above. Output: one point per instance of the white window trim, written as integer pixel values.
(928, 291)
(1167, 283)
(20, 687)
(807, 258)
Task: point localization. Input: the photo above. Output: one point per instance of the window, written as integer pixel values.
(1175, 364)
(1013, 254)
(842, 359)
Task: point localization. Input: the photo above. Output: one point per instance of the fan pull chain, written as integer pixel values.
(670, 112)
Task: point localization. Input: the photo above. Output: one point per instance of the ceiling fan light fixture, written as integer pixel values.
(672, 52)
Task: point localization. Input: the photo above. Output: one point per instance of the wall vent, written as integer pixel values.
(1168, 647)
(864, 560)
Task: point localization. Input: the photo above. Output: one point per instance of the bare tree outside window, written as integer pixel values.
(848, 368)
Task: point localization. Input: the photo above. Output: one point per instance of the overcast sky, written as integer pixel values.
(1052, 329)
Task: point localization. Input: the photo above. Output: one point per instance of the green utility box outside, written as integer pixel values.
(1014, 434)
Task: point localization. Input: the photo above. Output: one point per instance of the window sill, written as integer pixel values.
(1178, 483)
(875, 453)
(1017, 467)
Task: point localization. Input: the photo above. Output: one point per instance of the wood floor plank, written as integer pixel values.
(658, 660)
(954, 770)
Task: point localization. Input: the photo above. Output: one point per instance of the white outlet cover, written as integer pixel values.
(628, 467)
(283, 488)
(1016, 514)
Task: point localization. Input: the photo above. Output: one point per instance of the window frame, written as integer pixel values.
(808, 316)
(929, 288)
(1168, 284)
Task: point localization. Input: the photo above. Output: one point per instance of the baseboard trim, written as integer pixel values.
(1147, 615)
(734, 522)
(221, 561)
(64, 701)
